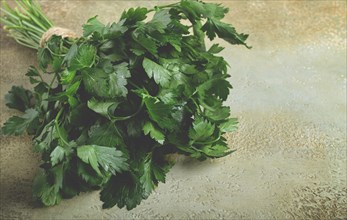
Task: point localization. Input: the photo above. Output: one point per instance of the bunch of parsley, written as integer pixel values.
(122, 98)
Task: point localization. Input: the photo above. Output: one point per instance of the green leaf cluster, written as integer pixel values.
(122, 98)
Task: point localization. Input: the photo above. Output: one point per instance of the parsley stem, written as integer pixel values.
(133, 84)
(123, 118)
(199, 33)
(50, 85)
(55, 76)
(197, 106)
(163, 6)
(209, 142)
(30, 15)
(118, 132)
(168, 5)
(40, 77)
(57, 126)
(26, 23)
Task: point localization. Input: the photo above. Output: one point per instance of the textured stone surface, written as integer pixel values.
(289, 93)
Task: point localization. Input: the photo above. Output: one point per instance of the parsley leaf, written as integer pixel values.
(153, 173)
(145, 41)
(159, 73)
(93, 25)
(217, 150)
(160, 21)
(19, 98)
(103, 108)
(218, 87)
(215, 48)
(160, 113)
(225, 31)
(17, 125)
(201, 130)
(229, 126)
(134, 15)
(108, 158)
(106, 135)
(84, 58)
(154, 132)
(122, 190)
(117, 80)
(111, 85)
(57, 155)
(46, 190)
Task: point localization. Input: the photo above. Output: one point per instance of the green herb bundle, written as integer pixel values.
(122, 98)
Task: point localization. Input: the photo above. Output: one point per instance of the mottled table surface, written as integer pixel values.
(289, 94)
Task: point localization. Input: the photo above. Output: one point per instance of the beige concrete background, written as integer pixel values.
(289, 94)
